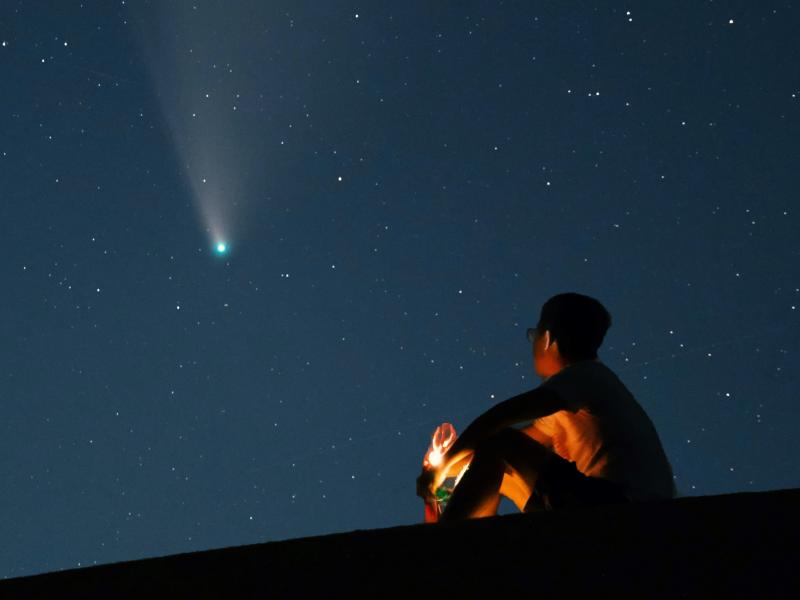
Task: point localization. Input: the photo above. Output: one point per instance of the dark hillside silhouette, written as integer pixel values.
(741, 544)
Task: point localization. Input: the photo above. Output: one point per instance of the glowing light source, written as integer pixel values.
(443, 438)
(221, 248)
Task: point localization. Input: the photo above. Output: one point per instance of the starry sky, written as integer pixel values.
(400, 187)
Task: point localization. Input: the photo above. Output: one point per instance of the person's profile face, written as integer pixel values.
(542, 361)
(536, 339)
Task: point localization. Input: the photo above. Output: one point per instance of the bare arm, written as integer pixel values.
(533, 431)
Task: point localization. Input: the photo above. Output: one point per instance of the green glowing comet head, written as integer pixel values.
(221, 248)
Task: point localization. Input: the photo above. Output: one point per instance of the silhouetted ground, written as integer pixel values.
(745, 545)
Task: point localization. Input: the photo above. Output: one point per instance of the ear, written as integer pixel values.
(546, 336)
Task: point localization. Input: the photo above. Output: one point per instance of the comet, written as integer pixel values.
(216, 145)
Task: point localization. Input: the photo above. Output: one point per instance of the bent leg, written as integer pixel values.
(516, 489)
(509, 452)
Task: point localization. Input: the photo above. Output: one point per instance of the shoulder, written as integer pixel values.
(584, 371)
(578, 382)
(544, 397)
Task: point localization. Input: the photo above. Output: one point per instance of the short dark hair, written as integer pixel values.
(579, 323)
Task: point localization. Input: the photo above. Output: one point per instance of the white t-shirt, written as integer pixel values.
(606, 432)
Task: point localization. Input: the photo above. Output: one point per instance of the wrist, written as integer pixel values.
(439, 475)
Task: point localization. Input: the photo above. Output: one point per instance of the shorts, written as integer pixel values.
(561, 485)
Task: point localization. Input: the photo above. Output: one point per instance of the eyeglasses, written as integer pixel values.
(531, 333)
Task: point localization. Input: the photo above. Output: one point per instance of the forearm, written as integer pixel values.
(526, 407)
(538, 435)
(451, 467)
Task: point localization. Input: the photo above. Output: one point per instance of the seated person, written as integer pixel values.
(579, 439)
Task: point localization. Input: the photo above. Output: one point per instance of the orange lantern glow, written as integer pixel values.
(441, 441)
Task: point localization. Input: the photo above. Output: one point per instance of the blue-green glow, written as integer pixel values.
(222, 248)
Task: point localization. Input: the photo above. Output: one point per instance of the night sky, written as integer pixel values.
(400, 186)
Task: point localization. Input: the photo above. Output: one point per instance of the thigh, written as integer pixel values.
(561, 485)
(522, 456)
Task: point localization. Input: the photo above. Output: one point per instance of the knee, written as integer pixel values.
(504, 442)
(514, 448)
(489, 450)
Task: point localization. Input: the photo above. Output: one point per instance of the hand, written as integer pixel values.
(425, 484)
